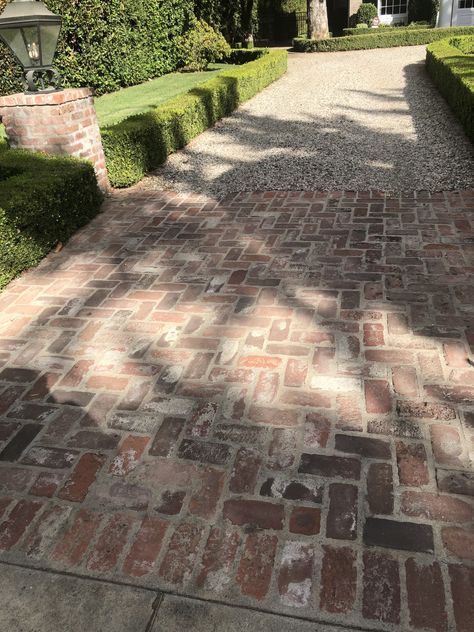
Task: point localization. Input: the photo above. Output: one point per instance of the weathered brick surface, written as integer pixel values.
(295, 576)
(381, 592)
(426, 596)
(256, 565)
(217, 560)
(85, 472)
(338, 580)
(60, 123)
(111, 542)
(145, 547)
(266, 399)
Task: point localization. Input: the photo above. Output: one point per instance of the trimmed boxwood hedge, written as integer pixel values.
(452, 71)
(142, 143)
(43, 200)
(366, 30)
(400, 37)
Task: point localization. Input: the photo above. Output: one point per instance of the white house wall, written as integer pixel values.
(451, 15)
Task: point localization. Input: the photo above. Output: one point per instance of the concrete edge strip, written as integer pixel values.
(161, 594)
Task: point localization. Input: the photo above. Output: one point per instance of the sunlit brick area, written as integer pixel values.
(264, 400)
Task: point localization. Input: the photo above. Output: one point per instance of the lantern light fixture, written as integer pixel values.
(31, 32)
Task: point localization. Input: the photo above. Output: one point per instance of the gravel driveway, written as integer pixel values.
(356, 120)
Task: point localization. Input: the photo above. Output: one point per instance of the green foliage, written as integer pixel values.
(201, 46)
(379, 39)
(451, 67)
(290, 6)
(366, 13)
(224, 16)
(109, 45)
(269, 7)
(465, 45)
(426, 10)
(233, 18)
(43, 200)
(141, 143)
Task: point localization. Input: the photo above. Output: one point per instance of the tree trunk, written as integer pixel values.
(317, 20)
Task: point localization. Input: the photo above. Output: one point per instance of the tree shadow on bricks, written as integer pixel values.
(249, 399)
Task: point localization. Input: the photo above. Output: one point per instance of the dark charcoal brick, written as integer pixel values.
(167, 436)
(9, 397)
(7, 429)
(367, 447)
(323, 465)
(342, 516)
(380, 488)
(20, 442)
(18, 375)
(94, 440)
(171, 503)
(205, 452)
(49, 457)
(405, 536)
(35, 412)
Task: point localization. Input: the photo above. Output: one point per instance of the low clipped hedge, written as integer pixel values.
(451, 67)
(366, 30)
(43, 201)
(400, 37)
(141, 143)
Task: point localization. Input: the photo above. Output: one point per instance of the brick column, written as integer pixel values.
(63, 123)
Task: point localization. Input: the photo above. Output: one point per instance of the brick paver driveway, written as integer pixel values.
(267, 400)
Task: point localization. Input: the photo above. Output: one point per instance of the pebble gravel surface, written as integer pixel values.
(337, 121)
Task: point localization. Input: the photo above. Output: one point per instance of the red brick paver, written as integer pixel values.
(267, 399)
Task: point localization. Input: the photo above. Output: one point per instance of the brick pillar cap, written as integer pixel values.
(49, 98)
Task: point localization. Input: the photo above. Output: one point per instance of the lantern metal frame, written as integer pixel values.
(34, 51)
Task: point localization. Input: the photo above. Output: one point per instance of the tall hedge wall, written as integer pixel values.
(228, 16)
(110, 44)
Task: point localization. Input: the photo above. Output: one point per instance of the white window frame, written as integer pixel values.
(392, 18)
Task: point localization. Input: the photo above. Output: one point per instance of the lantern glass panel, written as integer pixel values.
(14, 38)
(49, 40)
(33, 44)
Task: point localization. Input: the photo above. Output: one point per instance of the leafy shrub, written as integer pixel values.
(230, 17)
(379, 39)
(466, 46)
(142, 143)
(110, 45)
(202, 45)
(43, 200)
(366, 13)
(450, 66)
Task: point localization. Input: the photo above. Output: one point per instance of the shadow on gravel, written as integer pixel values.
(429, 151)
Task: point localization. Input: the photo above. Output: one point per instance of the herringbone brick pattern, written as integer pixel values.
(267, 399)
